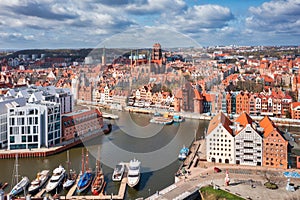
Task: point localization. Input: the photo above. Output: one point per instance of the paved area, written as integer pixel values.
(245, 181)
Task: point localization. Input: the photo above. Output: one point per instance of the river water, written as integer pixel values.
(156, 146)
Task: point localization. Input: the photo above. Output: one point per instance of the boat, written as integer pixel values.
(183, 153)
(162, 120)
(118, 172)
(178, 118)
(133, 176)
(86, 176)
(98, 182)
(56, 179)
(38, 182)
(20, 187)
(71, 177)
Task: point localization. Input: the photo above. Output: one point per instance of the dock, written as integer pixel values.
(109, 116)
(121, 194)
(40, 193)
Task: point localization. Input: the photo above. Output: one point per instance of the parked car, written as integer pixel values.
(217, 170)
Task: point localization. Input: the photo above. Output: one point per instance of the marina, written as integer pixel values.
(149, 181)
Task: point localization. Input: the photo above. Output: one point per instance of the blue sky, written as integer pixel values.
(88, 23)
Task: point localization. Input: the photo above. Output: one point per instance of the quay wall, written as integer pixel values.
(26, 153)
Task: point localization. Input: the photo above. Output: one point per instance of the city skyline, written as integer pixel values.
(87, 24)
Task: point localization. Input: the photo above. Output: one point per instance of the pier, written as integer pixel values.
(101, 196)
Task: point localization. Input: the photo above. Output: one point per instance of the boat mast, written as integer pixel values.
(15, 177)
(98, 161)
(68, 162)
(87, 160)
(17, 168)
(82, 161)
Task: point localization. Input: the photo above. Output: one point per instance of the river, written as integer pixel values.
(156, 146)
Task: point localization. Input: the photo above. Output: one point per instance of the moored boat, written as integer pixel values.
(71, 177)
(86, 176)
(183, 153)
(98, 182)
(178, 118)
(38, 182)
(20, 187)
(133, 176)
(56, 178)
(162, 120)
(118, 172)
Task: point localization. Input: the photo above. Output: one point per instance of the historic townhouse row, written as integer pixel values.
(265, 103)
(246, 142)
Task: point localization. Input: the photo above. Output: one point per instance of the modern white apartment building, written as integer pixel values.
(6, 103)
(34, 125)
(248, 141)
(220, 140)
(50, 93)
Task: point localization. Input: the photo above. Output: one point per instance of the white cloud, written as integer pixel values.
(145, 7)
(280, 16)
(200, 18)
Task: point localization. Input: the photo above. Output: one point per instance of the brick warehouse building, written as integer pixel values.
(80, 122)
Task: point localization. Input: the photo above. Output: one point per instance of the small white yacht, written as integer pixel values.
(118, 172)
(133, 176)
(38, 182)
(17, 189)
(56, 178)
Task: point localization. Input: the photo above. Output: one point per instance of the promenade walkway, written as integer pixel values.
(245, 181)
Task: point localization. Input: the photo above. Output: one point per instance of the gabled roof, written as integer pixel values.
(268, 125)
(219, 118)
(244, 119)
(295, 105)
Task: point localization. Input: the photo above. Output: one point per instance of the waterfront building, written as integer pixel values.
(79, 123)
(295, 110)
(5, 104)
(275, 146)
(220, 140)
(34, 125)
(34, 94)
(248, 141)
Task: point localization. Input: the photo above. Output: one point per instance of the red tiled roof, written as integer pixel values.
(219, 118)
(268, 125)
(244, 119)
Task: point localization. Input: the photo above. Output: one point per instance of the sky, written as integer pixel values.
(28, 24)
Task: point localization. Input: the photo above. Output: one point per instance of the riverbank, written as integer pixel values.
(189, 115)
(246, 182)
(44, 152)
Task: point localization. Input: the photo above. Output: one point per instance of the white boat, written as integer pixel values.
(56, 178)
(133, 176)
(38, 182)
(17, 189)
(71, 177)
(184, 152)
(70, 180)
(118, 172)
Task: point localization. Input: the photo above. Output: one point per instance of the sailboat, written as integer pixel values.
(71, 177)
(20, 185)
(86, 176)
(98, 182)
